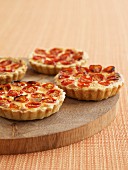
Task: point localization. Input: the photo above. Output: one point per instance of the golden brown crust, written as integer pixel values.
(18, 74)
(29, 115)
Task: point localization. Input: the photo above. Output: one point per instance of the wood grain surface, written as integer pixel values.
(75, 121)
(99, 27)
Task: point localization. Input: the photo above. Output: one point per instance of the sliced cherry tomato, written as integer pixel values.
(69, 51)
(104, 83)
(85, 79)
(38, 57)
(5, 62)
(18, 83)
(77, 57)
(2, 91)
(83, 70)
(64, 62)
(49, 62)
(67, 70)
(114, 77)
(51, 56)
(37, 95)
(48, 85)
(4, 102)
(39, 51)
(2, 69)
(97, 77)
(64, 56)
(33, 104)
(109, 69)
(49, 100)
(30, 89)
(56, 51)
(53, 93)
(63, 76)
(33, 83)
(95, 68)
(21, 98)
(14, 106)
(14, 93)
(15, 65)
(83, 84)
(67, 82)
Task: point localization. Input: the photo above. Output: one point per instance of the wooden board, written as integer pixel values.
(75, 121)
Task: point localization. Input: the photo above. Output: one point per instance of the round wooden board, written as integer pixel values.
(75, 121)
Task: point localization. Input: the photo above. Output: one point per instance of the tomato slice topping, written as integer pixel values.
(39, 51)
(37, 95)
(85, 79)
(83, 84)
(67, 62)
(56, 51)
(33, 83)
(97, 77)
(15, 65)
(51, 56)
(48, 85)
(53, 93)
(38, 57)
(33, 104)
(64, 56)
(95, 68)
(5, 62)
(77, 57)
(109, 69)
(14, 106)
(63, 76)
(83, 70)
(21, 98)
(67, 70)
(49, 100)
(69, 51)
(67, 82)
(104, 83)
(7, 87)
(49, 62)
(30, 89)
(14, 93)
(113, 77)
(18, 83)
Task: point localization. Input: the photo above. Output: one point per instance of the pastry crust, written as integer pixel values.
(17, 72)
(87, 88)
(37, 110)
(52, 69)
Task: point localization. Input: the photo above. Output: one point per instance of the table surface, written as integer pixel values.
(99, 27)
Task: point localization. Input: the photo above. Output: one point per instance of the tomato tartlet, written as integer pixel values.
(52, 61)
(89, 83)
(29, 100)
(11, 69)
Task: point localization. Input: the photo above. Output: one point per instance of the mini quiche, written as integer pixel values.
(89, 83)
(29, 100)
(52, 61)
(11, 69)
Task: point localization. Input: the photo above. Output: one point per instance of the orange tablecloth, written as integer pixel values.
(99, 27)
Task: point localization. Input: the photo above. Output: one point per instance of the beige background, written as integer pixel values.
(99, 27)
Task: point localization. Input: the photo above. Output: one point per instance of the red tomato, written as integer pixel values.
(33, 104)
(49, 62)
(109, 69)
(49, 100)
(30, 89)
(56, 51)
(95, 68)
(64, 62)
(97, 77)
(39, 51)
(85, 79)
(21, 98)
(83, 70)
(14, 93)
(66, 82)
(48, 85)
(37, 95)
(114, 77)
(38, 57)
(53, 93)
(5, 62)
(83, 84)
(14, 106)
(69, 51)
(15, 65)
(105, 83)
